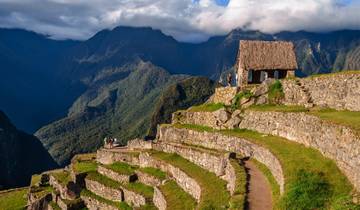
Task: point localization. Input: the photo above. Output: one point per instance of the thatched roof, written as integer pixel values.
(267, 55)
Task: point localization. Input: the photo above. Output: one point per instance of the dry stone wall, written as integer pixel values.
(215, 163)
(187, 183)
(133, 198)
(333, 141)
(112, 194)
(70, 191)
(139, 144)
(105, 156)
(159, 199)
(223, 142)
(224, 95)
(123, 178)
(148, 179)
(339, 91)
(93, 204)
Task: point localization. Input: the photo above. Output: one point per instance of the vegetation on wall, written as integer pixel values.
(276, 93)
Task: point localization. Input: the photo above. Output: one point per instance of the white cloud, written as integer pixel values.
(192, 20)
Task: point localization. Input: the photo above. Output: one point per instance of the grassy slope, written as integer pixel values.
(154, 172)
(84, 166)
(237, 201)
(214, 195)
(295, 157)
(207, 107)
(177, 198)
(122, 168)
(347, 118)
(13, 200)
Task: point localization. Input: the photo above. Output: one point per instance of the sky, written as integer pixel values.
(185, 20)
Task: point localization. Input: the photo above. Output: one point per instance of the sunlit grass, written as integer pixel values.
(14, 199)
(177, 198)
(214, 194)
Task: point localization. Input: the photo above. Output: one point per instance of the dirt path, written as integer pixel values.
(259, 191)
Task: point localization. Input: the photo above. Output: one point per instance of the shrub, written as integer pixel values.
(276, 93)
(310, 190)
(236, 100)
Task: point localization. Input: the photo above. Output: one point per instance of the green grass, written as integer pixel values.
(54, 205)
(122, 168)
(276, 92)
(63, 177)
(177, 198)
(295, 157)
(335, 73)
(35, 179)
(346, 118)
(237, 200)
(14, 199)
(84, 166)
(237, 99)
(214, 194)
(140, 188)
(278, 108)
(119, 205)
(136, 187)
(195, 127)
(154, 172)
(207, 107)
(95, 176)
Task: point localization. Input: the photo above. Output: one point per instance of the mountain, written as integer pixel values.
(21, 155)
(41, 78)
(30, 92)
(119, 107)
(179, 96)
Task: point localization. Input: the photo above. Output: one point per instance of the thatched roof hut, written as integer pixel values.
(259, 60)
(260, 55)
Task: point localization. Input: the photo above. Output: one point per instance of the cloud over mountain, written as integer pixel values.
(187, 20)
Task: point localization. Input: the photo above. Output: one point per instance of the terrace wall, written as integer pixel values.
(222, 142)
(337, 142)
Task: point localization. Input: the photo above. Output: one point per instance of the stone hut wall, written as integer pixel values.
(222, 142)
(159, 199)
(339, 91)
(187, 183)
(333, 141)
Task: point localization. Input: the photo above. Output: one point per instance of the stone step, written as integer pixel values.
(135, 194)
(93, 201)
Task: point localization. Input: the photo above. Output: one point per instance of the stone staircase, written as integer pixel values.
(309, 103)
